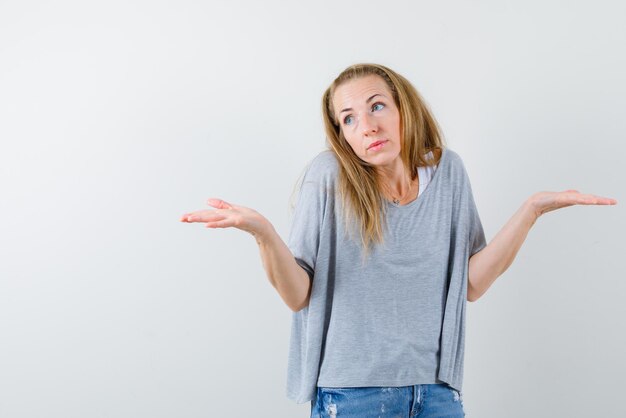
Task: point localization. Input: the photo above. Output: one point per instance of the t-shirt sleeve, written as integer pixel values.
(477, 239)
(477, 234)
(307, 217)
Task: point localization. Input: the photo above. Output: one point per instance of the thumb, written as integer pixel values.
(219, 203)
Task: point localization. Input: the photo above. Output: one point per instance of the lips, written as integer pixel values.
(373, 144)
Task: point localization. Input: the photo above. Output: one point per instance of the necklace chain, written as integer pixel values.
(396, 200)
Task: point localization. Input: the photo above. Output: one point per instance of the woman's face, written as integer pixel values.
(369, 120)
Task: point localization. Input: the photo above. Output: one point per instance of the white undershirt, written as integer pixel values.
(425, 174)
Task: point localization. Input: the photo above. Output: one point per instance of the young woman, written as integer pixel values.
(386, 246)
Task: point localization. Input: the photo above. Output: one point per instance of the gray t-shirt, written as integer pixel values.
(399, 318)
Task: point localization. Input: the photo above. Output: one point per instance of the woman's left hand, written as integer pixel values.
(544, 202)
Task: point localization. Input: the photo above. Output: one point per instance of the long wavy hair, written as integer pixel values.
(359, 182)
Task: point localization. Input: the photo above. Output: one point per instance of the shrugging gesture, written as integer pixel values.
(227, 215)
(288, 278)
(486, 265)
(545, 202)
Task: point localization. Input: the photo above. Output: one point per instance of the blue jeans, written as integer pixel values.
(423, 401)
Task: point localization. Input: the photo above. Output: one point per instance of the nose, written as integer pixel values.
(368, 124)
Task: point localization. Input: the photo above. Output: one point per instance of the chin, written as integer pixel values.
(378, 163)
(382, 160)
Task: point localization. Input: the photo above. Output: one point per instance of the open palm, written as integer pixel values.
(227, 215)
(544, 202)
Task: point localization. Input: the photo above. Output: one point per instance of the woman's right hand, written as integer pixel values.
(228, 215)
(289, 279)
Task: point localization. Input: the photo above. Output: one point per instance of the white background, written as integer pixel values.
(117, 117)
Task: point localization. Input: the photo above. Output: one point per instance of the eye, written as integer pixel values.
(378, 104)
(347, 118)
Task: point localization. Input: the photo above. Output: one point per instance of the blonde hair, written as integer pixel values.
(358, 180)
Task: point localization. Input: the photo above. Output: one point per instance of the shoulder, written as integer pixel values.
(325, 160)
(452, 157)
(323, 167)
(453, 167)
(453, 161)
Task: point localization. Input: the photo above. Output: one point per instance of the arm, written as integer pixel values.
(288, 278)
(486, 265)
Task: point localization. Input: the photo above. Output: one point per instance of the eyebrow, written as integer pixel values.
(367, 101)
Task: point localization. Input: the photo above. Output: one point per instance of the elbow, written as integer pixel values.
(297, 307)
(472, 297)
(472, 294)
(294, 307)
(305, 292)
(300, 307)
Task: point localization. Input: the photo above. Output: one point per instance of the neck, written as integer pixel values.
(396, 180)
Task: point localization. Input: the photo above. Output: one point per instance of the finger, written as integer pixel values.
(599, 200)
(185, 217)
(219, 203)
(225, 223)
(590, 199)
(604, 200)
(205, 216)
